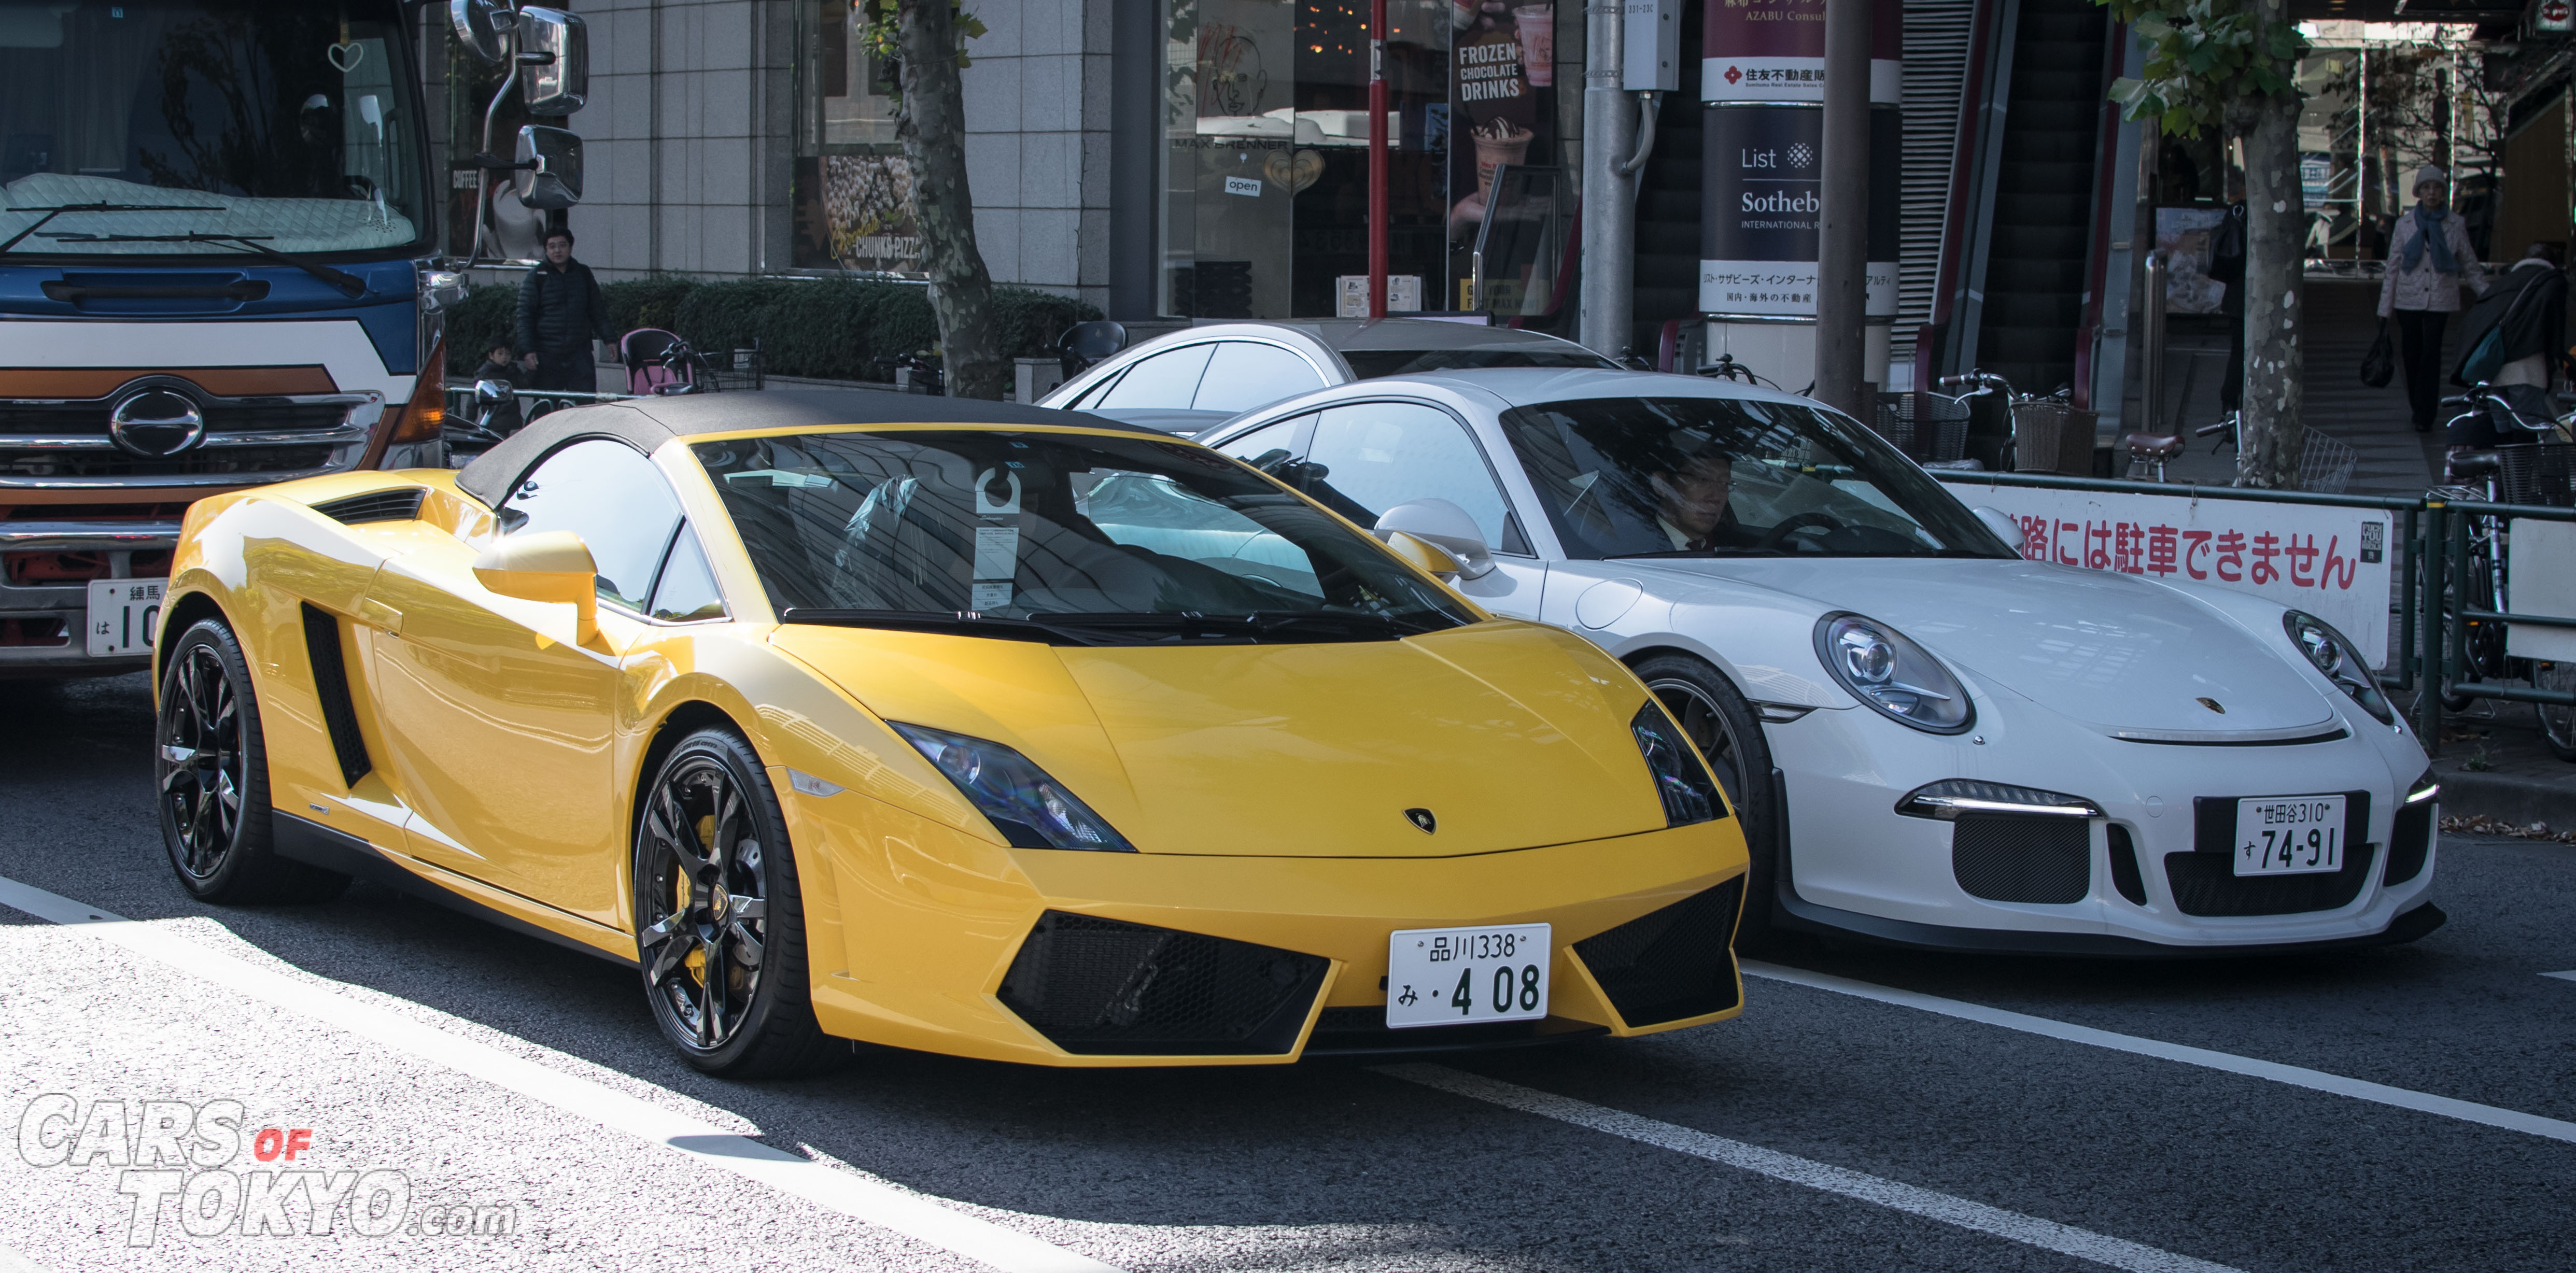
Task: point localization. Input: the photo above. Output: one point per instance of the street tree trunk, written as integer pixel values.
(2270, 435)
(932, 125)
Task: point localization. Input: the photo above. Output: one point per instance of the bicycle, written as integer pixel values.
(2472, 473)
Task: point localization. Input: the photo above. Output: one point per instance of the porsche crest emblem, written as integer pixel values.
(1422, 819)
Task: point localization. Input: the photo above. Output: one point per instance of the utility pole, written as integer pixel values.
(1842, 261)
(1606, 307)
(1377, 232)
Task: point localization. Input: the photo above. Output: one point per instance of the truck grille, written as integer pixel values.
(49, 443)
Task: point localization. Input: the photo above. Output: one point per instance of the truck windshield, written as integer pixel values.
(293, 122)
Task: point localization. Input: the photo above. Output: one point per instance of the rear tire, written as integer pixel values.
(1722, 725)
(720, 917)
(210, 778)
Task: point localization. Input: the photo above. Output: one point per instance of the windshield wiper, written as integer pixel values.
(1257, 626)
(954, 623)
(51, 213)
(349, 284)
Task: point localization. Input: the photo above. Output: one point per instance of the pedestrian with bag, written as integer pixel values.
(560, 314)
(2429, 260)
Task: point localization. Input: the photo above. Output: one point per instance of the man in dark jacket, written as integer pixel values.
(2528, 310)
(560, 313)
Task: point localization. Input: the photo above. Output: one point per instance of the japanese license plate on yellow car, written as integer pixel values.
(1466, 976)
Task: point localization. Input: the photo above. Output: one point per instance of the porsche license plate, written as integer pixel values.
(2289, 835)
(124, 616)
(1466, 976)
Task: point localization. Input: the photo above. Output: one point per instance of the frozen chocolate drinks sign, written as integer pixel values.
(1764, 171)
(1774, 51)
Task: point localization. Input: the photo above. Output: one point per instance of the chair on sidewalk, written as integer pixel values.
(657, 362)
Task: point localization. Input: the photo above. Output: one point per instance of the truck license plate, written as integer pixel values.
(124, 616)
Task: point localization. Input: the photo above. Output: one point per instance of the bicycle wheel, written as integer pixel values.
(2557, 724)
(2482, 650)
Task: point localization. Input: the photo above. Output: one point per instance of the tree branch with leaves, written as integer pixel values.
(2232, 66)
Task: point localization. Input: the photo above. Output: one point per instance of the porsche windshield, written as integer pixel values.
(1080, 539)
(1699, 477)
(292, 122)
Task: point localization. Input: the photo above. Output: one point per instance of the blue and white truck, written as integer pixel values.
(220, 266)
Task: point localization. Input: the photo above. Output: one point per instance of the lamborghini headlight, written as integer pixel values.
(1892, 674)
(1681, 780)
(1029, 808)
(2334, 654)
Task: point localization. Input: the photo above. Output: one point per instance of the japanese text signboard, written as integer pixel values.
(2334, 563)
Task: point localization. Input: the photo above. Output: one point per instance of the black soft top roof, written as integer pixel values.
(647, 423)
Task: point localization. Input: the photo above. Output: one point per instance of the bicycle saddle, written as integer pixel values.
(2469, 466)
(2154, 446)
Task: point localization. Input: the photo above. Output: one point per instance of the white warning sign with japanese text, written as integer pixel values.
(2334, 563)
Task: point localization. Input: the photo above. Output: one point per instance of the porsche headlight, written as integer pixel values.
(1892, 674)
(1681, 781)
(1029, 808)
(2335, 655)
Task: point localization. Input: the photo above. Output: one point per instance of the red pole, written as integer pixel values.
(1377, 160)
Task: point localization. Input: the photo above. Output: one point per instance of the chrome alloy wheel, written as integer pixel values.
(200, 766)
(704, 937)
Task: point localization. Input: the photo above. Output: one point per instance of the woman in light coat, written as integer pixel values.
(2429, 258)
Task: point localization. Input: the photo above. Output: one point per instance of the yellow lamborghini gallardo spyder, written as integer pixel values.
(987, 730)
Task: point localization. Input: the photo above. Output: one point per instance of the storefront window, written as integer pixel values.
(853, 185)
(1266, 127)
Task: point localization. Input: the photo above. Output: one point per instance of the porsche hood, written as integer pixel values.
(1510, 735)
(2126, 655)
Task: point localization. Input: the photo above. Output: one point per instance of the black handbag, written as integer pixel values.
(2379, 366)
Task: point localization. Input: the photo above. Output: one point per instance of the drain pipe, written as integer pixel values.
(1606, 307)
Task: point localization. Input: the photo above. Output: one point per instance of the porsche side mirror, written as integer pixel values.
(1444, 526)
(546, 565)
(549, 167)
(1423, 555)
(2004, 526)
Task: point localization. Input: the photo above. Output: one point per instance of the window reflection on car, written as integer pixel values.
(1115, 539)
(1646, 477)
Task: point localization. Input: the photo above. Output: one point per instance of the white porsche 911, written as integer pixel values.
(1934, 742)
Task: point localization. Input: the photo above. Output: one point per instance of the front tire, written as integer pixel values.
(210, 778)
(719, 916)
(1722, 725)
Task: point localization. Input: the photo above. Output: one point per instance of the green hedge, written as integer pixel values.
(830, 329)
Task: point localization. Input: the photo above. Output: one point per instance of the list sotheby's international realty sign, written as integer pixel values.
(1762, 85)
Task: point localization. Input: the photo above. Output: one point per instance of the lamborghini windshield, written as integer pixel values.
(289, 122)
(1064, 537)
(1702, 477)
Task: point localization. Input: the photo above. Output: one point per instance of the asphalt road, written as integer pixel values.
(1823, 1130)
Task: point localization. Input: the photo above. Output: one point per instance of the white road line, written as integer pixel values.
(910, 1214)
(2083, 1244)
(12, 1262)
(2569, 975)
(2295, 1076)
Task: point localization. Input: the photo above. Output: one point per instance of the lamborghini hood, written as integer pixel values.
(1511, 735)
(2123, 654)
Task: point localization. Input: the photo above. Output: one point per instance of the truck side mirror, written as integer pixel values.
(482, 26)
(549, 167)
(554, 61)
